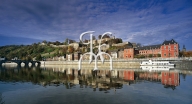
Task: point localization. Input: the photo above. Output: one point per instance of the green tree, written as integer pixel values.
(29, 58)
(150, 55)
(66, 41)
(38, 57)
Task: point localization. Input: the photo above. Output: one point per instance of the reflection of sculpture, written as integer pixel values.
(100, 53)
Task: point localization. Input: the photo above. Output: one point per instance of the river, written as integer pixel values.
(53, 85)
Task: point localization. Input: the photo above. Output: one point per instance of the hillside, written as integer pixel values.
(28, 52)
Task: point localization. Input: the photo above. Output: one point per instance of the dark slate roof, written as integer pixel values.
(149, 47)
(134, 45)
(167, 42)
(129, 45)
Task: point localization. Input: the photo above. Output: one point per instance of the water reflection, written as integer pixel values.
(102, 80)
(1, 99)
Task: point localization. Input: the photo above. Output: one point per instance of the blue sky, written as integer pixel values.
(141, 21)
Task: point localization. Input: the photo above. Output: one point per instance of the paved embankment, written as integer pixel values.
(117, 64)
(183, 64)
(85, 64)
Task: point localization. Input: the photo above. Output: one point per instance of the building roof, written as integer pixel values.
(167, 42)
(134, 45)
(149, 47)
(129, 45)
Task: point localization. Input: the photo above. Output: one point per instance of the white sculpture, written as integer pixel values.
(91, 50)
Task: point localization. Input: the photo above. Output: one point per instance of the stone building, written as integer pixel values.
(120, 53)
(70, 57)
(114, 53)
(77, 56)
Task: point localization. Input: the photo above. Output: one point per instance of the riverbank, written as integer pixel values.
(117, 64)
(85, 64)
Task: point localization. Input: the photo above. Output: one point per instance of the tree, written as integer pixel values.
(96, 43)
(99, 37)
(138, 45)
(44, 41)
(70, 49)
(57, 43)
(38, 57)
(29, 58)
(64, 50)
(66, 41)
(150, 55)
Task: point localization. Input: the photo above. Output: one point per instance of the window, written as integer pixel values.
(164, 54)
(175, 47)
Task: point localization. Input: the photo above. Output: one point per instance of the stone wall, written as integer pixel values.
(85, 64)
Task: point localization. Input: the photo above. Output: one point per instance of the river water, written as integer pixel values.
(52, 85)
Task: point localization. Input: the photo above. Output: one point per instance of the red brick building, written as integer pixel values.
(169, 49)
(128, 52)
(153, 50)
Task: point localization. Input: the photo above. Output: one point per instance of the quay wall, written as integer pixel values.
(117, 64)
(85, 64)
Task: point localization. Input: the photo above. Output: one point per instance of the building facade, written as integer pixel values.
(128, 53)
(150, 51)
(169, 49)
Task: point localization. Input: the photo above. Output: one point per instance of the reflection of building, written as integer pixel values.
(170, 78)
(102, 79)
(128, 75)
(150, 76)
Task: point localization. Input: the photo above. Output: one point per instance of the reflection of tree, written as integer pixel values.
(169, 86)
(98, 80)
(184, 76)
(1, 99)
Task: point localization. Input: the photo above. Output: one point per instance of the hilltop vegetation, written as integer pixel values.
(28, 52)
(45, 49)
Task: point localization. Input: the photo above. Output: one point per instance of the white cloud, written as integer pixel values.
(132, 21)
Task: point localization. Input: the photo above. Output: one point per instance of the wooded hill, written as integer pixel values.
(28, 52)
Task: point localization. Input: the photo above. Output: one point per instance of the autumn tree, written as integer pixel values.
(70, 49)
